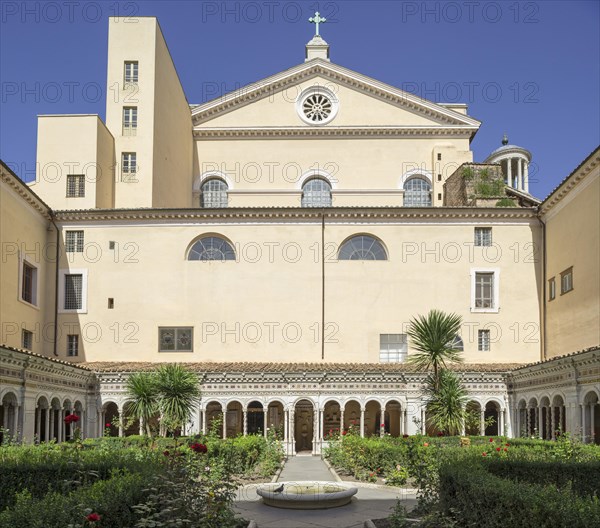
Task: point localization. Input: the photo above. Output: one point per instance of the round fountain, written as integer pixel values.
(306, 495)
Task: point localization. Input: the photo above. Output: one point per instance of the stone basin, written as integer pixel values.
(306, 495)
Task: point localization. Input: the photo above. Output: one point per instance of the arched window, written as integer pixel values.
(417, 193)
(362, 247)
(213, 193)
(316, 192)
(211, 248)
(457, 343)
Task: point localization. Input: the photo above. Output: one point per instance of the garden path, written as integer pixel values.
(371, 502)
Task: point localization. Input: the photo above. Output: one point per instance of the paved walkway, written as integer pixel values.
(368, 503)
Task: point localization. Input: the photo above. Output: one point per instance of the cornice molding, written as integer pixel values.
(22, 189)
(295, 213)
(331, 132)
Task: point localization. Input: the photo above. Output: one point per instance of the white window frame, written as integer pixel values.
(127, 172)
(130, 130)
(552, 289)
(402, 355)
(481, 346)
(480, 230)
(23, 259)
(496, 273)
(127, 63)
(564, 274)
(61, 289)
(79, 187)
(78, 242)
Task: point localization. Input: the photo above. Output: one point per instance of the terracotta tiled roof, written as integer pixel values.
(216, 367)
(548, 360)
(49, 358)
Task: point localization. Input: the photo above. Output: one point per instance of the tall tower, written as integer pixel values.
(515, 164)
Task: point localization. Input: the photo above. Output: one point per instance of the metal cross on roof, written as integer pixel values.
(317, 19)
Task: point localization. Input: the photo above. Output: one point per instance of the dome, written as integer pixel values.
(508, 148)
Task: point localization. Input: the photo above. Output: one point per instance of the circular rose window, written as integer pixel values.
(317, 106)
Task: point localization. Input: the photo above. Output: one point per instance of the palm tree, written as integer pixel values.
(433, 337)
(142, 390)
(179, 395)
(446, 402)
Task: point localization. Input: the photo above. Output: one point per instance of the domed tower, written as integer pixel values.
(515, 164)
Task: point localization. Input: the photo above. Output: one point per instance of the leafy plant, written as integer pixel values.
(505, 202)
(445, 402)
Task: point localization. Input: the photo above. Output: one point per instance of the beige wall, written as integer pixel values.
(277, 287)
(74, 145)
(572, 239)
(24, 235)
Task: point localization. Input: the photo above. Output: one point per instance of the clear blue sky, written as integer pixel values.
(531, 69)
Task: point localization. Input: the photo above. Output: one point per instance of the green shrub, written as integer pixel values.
(483, 499)
(111, 498)
(506, 202)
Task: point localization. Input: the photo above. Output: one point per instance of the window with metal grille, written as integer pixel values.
(484, 290)
(362, 247)
(29, 283)
(552, 289)
(483, 236)
(73, 291)
(128, 163)
(27, 339)
(75, 186)
(316, 192)
(483, 340)
(74, 241)
(129, 120)
(211, 248)
(175, 339)
(213, 193)
(392, 348)
(417, 193)
(131, 72)
(72, 345)
(566, 281)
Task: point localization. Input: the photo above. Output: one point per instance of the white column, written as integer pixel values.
(482, 422)
(47, 425)
(526, 177)
(341, 420)
(540, 421)
(38, 423)
(382, 420)
(592, 425)
(291, 430)
(121, 425)
(204, 429)
(15, 428)
(224, 424)
(285, 425)
(245, 419)
(265, 425)
(501, 422)
(509, 172)
(405, 424)
(61, 425)
(583, 423)
(520, 174)
(362, 422)
(321, 423)
(315, 436)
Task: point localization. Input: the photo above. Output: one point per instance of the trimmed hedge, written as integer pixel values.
(582, 478)
(111, 498)
(478, 498)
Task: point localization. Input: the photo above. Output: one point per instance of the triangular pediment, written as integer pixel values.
(363, 102)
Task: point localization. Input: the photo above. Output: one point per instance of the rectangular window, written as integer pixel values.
(128, 163)
(484, 290)
(566, 281)
(483, 236)
(131, 72)
(129, 120)
(75, 186)
(72, 345)
(551, 289)
(392, 348)
(27, 340)
(29, 283)
(483, 340)
(175, 339)
(111, 303)
(73, 292)
(74, 242)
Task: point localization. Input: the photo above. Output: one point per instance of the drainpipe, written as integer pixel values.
(56, 257)
(544, 264)
(322, 284)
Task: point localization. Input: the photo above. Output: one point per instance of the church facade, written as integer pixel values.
(278, 240)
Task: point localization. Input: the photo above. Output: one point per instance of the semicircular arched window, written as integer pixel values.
(213, 193)
(316, 192)
(417, 193)
(211, 248)
(362, 247)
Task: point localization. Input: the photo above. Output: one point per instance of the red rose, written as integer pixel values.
(498, 449)
(106, 424)
(93, 517)
(382, 425)
(404, 436)
(491, 439)
(166, 453)
(505, 449)
(507, 445)
(343, 433)
(198, 448)
(440, 434)
(483, 454)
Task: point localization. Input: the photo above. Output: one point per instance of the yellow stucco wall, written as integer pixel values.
(572, 239)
